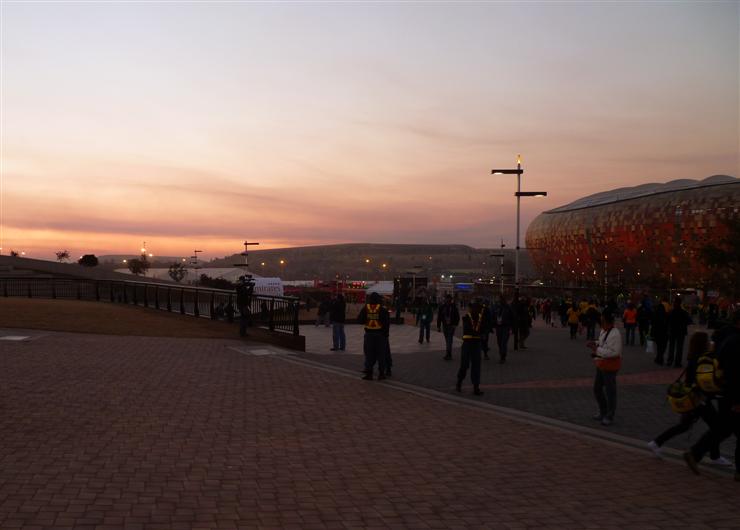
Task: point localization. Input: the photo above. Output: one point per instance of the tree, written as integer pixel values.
(139, 265)
(177, 272)
(88, 260)
(14, 254)
(215, 283)
(62, 255)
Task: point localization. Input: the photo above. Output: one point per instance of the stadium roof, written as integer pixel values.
(643, 190)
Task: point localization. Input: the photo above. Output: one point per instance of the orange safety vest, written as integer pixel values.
(372, 322)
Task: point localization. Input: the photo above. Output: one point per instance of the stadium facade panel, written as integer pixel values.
(635, 236)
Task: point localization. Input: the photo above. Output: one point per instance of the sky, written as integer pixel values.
(199, 125)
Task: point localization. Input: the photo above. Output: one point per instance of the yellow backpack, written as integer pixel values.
(709, 376)
(683, 398)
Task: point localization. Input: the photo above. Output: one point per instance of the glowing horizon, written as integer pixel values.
(200, 125)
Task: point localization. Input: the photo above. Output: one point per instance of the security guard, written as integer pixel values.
(377, 321)
(473, 322)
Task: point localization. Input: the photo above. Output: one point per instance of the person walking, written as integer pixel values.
(659, 332)
(244, 292)
(473, 322)
(728, 421)
(592, 318)
(524, 322)
(607, 355)
(678, 324)
(448, 318)
(486, 330)
(337, 315)
(629, 318)
(698, 346)
(574, 318)
(376, 319)
(504, 322)
(426, 315)
(322, 313)
(643, 321)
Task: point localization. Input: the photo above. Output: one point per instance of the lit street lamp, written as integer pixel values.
(519, 194)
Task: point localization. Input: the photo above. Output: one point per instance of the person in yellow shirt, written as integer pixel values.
(574, 316)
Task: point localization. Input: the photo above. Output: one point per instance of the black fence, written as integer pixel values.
(275, 313)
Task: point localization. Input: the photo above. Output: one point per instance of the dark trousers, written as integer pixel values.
(660, 346)
(705, 412)
(449, 333)
(243, 320)
(484, 343)
(590, 331)
(515, 334)
(339, 339)
(629, 334)
(374, 346)
(643, 329)
(727, 423)
(605, 392)
(388, 358)
(425, 329)
(502, 337)
(675, 349)
(573, 330)
(470, 356)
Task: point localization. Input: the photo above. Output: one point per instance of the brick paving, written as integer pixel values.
(161, 433)
(553, 378)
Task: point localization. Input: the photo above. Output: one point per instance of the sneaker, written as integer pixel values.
(597, 417)
(691, 462)
(332, 349)
(721, 461)
(655, 448)
(458, 386)
(606, 421)
(368, 377)
(477, 392)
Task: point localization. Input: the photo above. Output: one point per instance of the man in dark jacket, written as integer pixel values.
(728, 355)
(337, 317)
(678, 324)
(244, 292)
(473, 323)
(504, 322)
(377, 323)
(448, 318)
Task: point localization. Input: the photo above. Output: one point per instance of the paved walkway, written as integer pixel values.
(156, 433)
(553, 378)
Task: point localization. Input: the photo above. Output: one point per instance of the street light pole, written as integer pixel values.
(519, 194)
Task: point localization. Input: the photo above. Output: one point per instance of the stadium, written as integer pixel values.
(647, 235)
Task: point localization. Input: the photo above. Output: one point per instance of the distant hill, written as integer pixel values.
(349, 259)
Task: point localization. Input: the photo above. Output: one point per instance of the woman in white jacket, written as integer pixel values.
(607, 355)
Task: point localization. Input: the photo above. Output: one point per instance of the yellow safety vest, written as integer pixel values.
(372, 322)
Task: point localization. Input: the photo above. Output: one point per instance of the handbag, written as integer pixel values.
(682, 397)
(608, 364)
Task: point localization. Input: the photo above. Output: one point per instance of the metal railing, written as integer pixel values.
(276, 313)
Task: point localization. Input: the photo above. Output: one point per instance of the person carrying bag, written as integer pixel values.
(607, 356)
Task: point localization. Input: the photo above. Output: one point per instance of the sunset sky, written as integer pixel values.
(197, 125)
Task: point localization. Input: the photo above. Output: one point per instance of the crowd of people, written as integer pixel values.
(657, 326)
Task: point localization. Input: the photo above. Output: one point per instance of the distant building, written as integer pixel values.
(644, 235)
